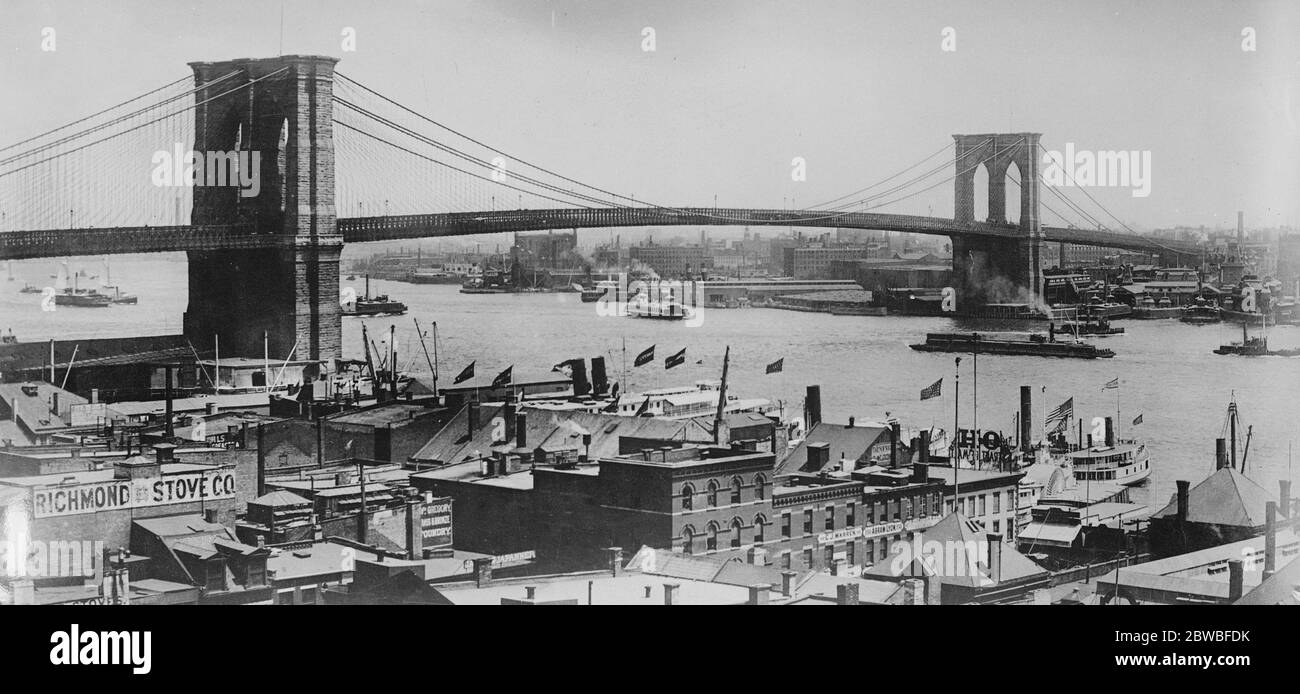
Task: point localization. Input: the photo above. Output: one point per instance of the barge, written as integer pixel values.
(1037, 345)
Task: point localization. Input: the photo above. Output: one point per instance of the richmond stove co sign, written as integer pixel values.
(140, 493)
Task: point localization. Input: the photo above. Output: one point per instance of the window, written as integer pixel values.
(688, 540)
(851, 553)
(850, 515)
(785, 525)
(688, 497)
(997, 503)
(759, 483)
(759, 522)
(981, 506)
(713, 493)
(807, 557)
(785, 560)
(830, 517)
(807, 522)
(828, 556)
(907, 508)
(871, 550)
(997, 526)
(896, 507)
(736, 527)
(711, 537)
(736, 486)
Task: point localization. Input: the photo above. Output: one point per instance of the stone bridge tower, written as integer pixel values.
(989, 268)
(290, 292)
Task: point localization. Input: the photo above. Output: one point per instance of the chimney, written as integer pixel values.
(1284, 498)
(846, 594)
(813, 407)
(894, 436)
(23, 590)
(758, 594)
(920, 473)
(210, 515)
(1026, 418)
(933, 590)
(599, 379)
(819, 454)
(210, 408)
(670, 593)
(54, 404)
(1110, 432)
(995, 557)
(787, 583)
(925, 446)
(1182, 500)
(94, 396)
(530, 592)
(521, 430)
(1241, 233)
(1236, 579)
(1270, 539)
(615, 556)
(852, 421)
(1220, 454)
(756, 556)
(472, 418)
(163, 453)
(482, 572)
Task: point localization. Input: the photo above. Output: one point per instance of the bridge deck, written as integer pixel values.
(44, 243)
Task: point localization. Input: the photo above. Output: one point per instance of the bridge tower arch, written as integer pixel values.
(282, 115)
(998, 268)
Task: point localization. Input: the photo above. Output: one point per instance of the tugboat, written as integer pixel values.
(1254, 347)
(1201, 312)
(377, 305)
(1091, 325)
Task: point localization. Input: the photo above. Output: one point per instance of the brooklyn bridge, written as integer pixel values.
(338, 163)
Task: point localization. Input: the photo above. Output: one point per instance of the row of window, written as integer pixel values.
(973, 506)
(894, 510)
(736, 491)
(735, 534)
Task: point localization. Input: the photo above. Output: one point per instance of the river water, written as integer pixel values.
(1167, 369)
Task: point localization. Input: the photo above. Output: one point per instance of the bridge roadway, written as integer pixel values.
(46, 243)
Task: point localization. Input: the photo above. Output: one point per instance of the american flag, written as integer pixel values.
(932, 390)
(1111, 384)
(1062, 414)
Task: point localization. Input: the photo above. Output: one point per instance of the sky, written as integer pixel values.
(734, 91)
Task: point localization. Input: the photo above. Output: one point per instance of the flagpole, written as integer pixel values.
(956, 408)
(1116, 409)
(975, 398)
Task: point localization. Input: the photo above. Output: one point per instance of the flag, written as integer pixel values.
(1137, 420)
(776, 366)
(933, 390)
(676, 359)
(645, 406)
(1062, 414)
(504, 378)
(465, 374)
(645, 357)
(1111, 384)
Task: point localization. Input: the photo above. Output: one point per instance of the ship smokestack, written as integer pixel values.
(1220, 454)
(1110, 432)
(580, 384)
(813, 407)
(599, 379)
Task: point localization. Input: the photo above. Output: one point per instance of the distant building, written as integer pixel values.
(673, 261)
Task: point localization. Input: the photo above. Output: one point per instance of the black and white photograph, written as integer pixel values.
(561, 302)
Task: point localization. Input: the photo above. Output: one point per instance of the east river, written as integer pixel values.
(1168, 371)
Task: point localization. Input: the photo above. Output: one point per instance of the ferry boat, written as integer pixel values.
(1254, 347)
(1037, 345)
(1201, 312)
(83, 299)
(666, 309)
(1125, 462)
(377, 305)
